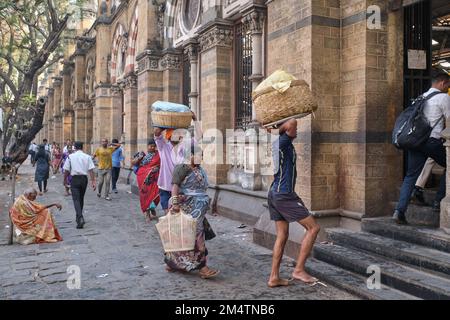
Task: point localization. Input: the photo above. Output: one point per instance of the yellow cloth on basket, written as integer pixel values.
(280, 80)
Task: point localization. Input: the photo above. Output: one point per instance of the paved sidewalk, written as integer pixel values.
(120, 256)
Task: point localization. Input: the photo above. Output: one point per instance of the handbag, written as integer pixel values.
(209, 232)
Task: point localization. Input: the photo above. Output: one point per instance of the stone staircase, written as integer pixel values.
(414, 260)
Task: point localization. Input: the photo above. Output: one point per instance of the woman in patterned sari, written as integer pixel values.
(33, 222)
(147, 178)
(189, 195)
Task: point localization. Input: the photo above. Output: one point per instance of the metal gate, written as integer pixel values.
(417, 36)
(243, 71)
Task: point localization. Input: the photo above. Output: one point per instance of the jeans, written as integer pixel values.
(104, 178)
(78, 187)
(114, 177)
(432, 148)
(164, 196)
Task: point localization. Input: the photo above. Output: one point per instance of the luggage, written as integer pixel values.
(412, 128)
(280, 97)
(170, 115)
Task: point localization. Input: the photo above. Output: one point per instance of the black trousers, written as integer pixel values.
(115, 176)
(78, 187)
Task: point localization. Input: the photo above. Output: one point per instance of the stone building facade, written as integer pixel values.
(210, 54)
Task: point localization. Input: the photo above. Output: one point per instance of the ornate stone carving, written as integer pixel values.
(116, 90)
(255, 21)
(171, 61)
(148, 61)
(130, 81)
(191, 50)
(220, 36)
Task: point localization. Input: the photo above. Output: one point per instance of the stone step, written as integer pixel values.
(412, 254)
(420, 215)
(428, 237)
(352, 282)
(395, 275)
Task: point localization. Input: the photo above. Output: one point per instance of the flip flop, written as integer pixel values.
(210, 274)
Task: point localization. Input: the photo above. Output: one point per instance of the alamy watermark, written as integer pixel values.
(374, 279)
(74, 280)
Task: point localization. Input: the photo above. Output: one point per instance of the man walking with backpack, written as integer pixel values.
(435, 110)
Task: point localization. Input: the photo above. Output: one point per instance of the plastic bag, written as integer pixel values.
(280, 80)
(169, 106)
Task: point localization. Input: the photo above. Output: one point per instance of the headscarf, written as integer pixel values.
(169, 133)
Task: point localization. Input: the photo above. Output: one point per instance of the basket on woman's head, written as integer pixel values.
(170, 115)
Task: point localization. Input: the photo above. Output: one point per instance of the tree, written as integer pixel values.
(31, 33)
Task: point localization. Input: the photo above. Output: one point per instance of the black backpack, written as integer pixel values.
(412, 128)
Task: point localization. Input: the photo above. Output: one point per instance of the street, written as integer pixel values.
(120, 256)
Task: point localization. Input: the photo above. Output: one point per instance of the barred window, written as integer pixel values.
(243, 70)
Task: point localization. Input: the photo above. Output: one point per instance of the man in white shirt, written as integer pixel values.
(436, 110)
(79, 165)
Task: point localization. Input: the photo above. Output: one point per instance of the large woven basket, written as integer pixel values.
(271, 105)
(167, 119)
(177, 232)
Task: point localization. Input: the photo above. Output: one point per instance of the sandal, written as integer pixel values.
(211, 273)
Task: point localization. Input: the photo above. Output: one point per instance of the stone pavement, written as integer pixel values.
(120, 256)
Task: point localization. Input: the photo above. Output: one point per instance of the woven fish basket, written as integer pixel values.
(177, 232)
(168, 119)
(271, 105)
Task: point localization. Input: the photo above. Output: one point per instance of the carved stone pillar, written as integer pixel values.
(88, 124)
(191, 50)
(216, 51)
(57, 115)
(444, 222)
(129, 88)
(150, 88)
(50, 129)
(254, 19)
(67, 110)
(170, 64)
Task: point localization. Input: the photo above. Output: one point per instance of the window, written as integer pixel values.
(243, 70)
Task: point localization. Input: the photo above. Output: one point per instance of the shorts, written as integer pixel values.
(164, 197)
(286, 207)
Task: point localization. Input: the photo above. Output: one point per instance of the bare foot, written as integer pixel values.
(277, 282)
(169, 269)
(304, 277)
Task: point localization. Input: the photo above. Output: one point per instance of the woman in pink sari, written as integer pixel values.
(147, 178)
(56, 158)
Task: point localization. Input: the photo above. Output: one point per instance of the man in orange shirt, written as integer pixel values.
(104, 155)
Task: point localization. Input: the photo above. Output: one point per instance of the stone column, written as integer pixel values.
(171, 68)
(67, 109)
(80, 131)
(191, 50)
(88, 124)
(129, 87)
(254, 19)
(444, 221)
(116, 112)
(102, 113)
(50, 129)
(150, 89)
(216, 52)
(57, 116)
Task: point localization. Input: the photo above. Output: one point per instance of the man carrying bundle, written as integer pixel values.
(285, 206)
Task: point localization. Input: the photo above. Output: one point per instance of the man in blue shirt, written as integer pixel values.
(117, 157)
(285, 206)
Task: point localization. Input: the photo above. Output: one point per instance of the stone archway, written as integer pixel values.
(119, 53)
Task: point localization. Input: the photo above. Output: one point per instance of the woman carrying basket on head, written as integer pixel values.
(189, 195)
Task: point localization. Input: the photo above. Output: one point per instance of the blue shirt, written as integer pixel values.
(285, 160)
(117, 157)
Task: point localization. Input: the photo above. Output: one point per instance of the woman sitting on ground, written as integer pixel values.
(147, 178)
(33, 222)
(190, 183)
